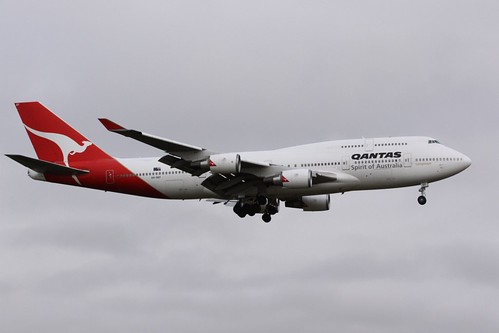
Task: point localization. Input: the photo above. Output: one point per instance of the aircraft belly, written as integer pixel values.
(284, 193)
(184, 188)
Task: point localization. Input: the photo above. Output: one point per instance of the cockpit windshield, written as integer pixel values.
(432, 141)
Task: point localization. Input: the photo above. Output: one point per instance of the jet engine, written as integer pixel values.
(221, 163)
(296, 178)
(311, 203)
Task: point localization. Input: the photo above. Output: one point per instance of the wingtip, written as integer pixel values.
(110, 125)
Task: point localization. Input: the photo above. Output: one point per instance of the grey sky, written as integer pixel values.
(248, 75)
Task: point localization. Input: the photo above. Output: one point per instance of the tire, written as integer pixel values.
(422, 200)
(272, 210)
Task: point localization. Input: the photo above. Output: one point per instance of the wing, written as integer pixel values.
(181, 156)
(250, 184)
(172, 147)
(233, 185)
(241, 176)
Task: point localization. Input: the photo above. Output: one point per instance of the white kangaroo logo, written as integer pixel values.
(67, 145)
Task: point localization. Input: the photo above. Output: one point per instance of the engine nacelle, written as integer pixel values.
(296, 178)
(225, 163)
(311, 203)
(314, 203)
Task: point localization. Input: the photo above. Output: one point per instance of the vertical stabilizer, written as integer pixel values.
(53, 139)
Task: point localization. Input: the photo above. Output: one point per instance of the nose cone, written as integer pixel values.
(466, 162)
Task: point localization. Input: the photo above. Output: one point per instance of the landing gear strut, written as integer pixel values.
(272, 208)
(262, 200)
(422, 197)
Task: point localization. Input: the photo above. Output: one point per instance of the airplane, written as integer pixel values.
(252, 183)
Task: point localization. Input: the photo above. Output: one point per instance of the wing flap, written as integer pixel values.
(228, 185)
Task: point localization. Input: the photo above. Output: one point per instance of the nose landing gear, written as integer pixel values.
(422, 197)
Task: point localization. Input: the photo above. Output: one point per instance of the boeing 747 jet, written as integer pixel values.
(252, 183)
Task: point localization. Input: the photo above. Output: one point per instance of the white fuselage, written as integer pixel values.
(364, 164)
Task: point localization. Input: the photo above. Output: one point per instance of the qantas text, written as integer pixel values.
(369, 156)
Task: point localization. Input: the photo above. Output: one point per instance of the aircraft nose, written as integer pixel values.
(466, 161)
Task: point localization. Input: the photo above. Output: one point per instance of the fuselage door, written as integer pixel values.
(345, 163)
(407, 160)
(369, 144)
(109, 177)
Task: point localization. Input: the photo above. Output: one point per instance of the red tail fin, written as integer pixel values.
(53, 139)
(56, 143)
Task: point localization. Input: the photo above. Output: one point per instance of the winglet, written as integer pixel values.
(111, 126)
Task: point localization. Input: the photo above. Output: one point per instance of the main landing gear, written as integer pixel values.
(260, 204)
(422, 197)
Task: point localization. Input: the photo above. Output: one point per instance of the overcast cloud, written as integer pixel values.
(249, 75)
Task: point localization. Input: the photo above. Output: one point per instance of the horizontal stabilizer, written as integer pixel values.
(46, 167)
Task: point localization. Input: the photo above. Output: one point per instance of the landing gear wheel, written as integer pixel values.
(272, 210)
(422, 197)
(239, 210)
(266, 218)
